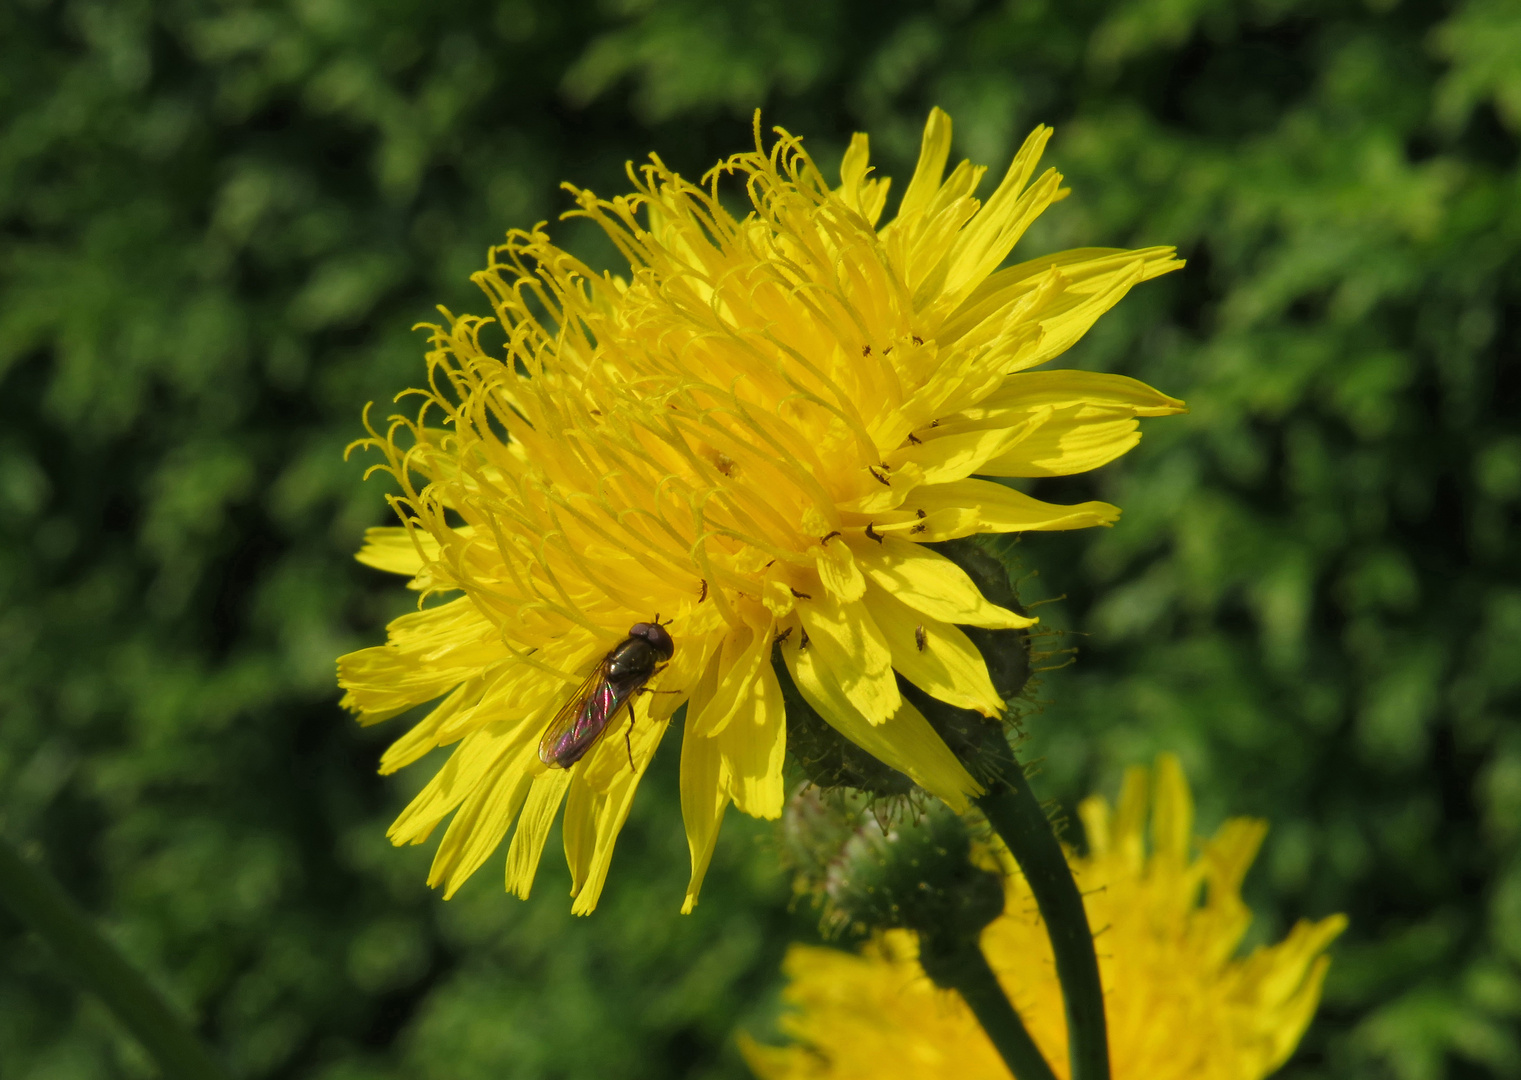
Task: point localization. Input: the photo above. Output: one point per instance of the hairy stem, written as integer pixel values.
(970, 976)
(1016, 814)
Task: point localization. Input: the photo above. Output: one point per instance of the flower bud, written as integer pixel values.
(897, 865)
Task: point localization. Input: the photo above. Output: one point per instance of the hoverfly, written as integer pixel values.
(614, 681)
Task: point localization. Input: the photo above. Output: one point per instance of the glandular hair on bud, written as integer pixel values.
(907, 866)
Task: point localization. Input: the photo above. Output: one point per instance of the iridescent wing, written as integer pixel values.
(584, 717)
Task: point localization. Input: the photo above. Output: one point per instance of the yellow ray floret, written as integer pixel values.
(1181, 1004)
(751, 435)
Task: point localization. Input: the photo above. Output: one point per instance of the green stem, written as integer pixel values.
(974, 980)
(1016, 814)
(41, 904)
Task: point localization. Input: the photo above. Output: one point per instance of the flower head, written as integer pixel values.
(751, 438)
(1180, 1003)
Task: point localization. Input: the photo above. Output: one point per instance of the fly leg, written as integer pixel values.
(628, 732)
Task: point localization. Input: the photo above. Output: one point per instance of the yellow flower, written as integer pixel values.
(750, 438)
(1180, 1004)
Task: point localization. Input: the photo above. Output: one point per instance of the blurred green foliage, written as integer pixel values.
(218, 222)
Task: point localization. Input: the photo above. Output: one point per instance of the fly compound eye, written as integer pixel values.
(656, 635)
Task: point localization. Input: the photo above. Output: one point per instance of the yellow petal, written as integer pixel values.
(943, 523)
(877, 490)
(380, 682)
(1066, 444)
(1094, 812)
(423, 735)
(754, 746)
(1009, 211)
(478, 828)
(429, 652)
(934, 150)
(1002, 509)
(930, 583)
(467, 768)
(416, 553)
(777, 597)
(851, 649)
(1232, 849)
(905, 742)
(779, 1062)
(736, 683)
(726, 678)
(865, 197)
(1085, 419)
(1287, 979)
(578, 828)
(680, 675)
(528, 839)
(958, 455)
(702, 678)
(1172, 810)
(839, 573)
(398, 550)
(519, 694)
(1062, 328)
(1130, 818)
(1096, 392)
(608, 813)
(703, 801)
(1082, 273)
(1298, 1011)
(948, 666)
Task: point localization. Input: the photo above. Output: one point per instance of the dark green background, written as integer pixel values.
(218, 222)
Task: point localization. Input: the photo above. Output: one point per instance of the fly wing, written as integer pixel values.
(584, 717)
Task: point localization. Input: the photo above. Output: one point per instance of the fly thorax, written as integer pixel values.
(634, 657)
